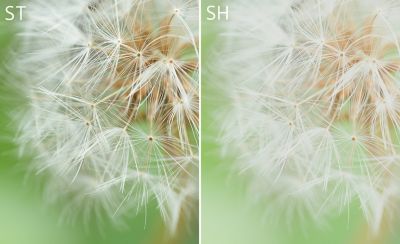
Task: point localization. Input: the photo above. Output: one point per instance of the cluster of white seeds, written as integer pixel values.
(113, 103)
(315, 105)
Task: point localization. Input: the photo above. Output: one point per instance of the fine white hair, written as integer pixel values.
(113, 107)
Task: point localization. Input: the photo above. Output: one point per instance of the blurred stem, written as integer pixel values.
(180, 236)
(364, 235)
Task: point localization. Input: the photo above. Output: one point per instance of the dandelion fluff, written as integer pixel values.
(314, 88)
(113, 104)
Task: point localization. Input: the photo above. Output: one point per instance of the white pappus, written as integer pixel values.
(113, 107)
(315, 105)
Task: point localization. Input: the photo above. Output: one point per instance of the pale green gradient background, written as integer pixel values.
(228, 214)
(24, 218)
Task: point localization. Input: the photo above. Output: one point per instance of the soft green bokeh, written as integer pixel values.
(228, 214)
(24, 218)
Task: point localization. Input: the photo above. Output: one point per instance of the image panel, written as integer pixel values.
(99, 121)
(300, 119)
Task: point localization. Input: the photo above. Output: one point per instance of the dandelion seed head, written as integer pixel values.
(314, 102)
(103, 120)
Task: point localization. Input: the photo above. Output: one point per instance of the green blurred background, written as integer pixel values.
(228, 216)
(24, 218)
